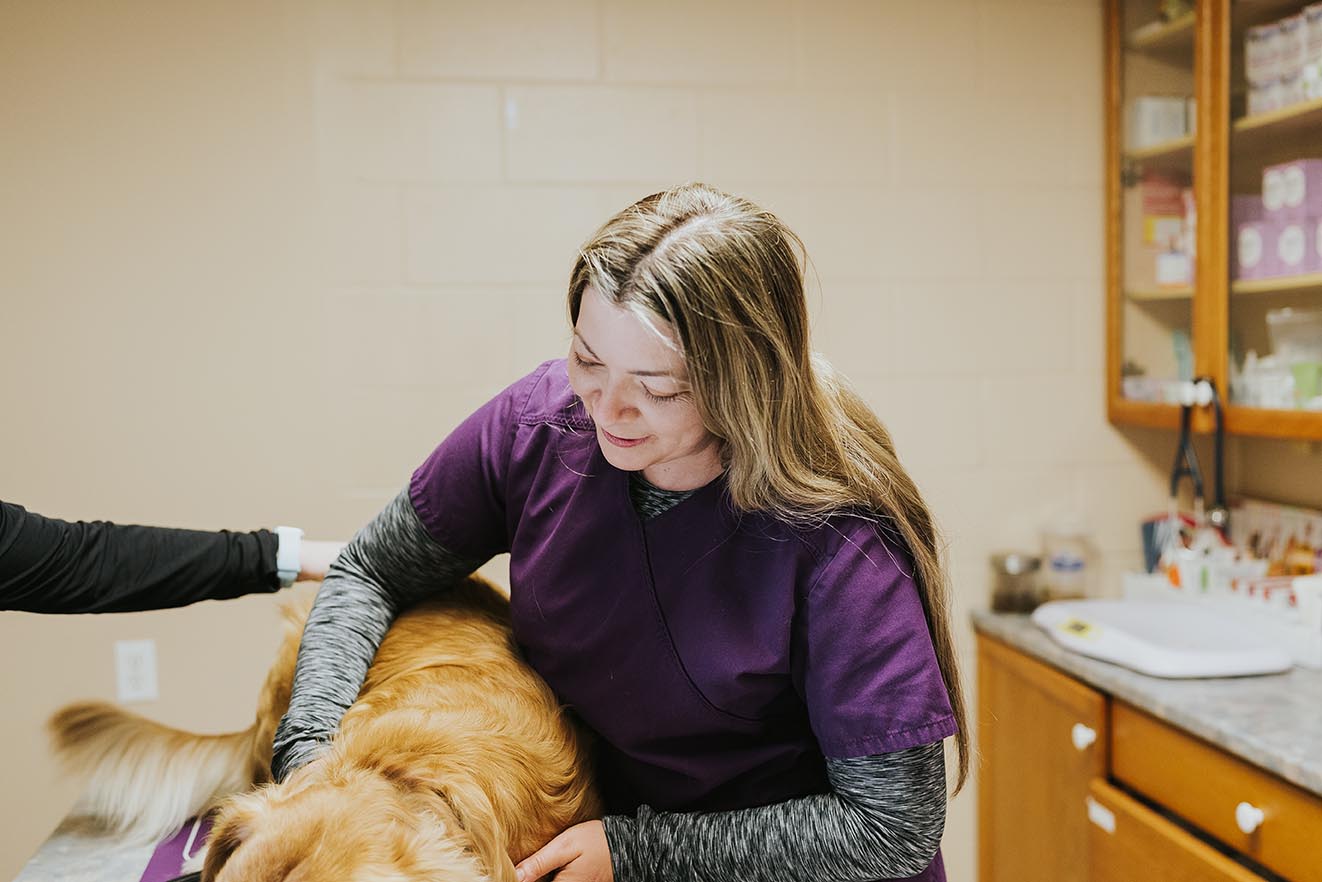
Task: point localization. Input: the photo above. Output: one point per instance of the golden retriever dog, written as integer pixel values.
(455, 763)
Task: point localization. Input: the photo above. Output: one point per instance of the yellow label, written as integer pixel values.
(1078, 628)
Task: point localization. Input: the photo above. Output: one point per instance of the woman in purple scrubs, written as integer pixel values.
(716, 560)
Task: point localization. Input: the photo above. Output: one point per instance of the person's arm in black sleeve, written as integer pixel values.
(390, 563)
(54, 566)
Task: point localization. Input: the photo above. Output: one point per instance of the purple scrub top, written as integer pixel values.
(719, 655)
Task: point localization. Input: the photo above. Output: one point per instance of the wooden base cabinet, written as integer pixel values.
(1076, 786)
(1042, 740)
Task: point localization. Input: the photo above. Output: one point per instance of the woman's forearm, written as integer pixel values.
(390, 563)
(882, 820)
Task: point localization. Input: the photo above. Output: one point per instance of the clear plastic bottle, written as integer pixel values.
(1068, 559)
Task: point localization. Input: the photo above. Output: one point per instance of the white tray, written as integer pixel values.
(1161, 638)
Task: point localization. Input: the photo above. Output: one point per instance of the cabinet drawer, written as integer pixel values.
(1129, 841)
(1205, 786)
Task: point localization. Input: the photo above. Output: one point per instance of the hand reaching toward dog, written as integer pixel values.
(580, 854)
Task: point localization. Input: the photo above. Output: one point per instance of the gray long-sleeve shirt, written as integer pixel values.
(882, 819)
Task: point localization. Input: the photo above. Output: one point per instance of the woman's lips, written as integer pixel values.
(623, 442)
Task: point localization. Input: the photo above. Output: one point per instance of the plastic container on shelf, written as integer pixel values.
(1295, 334)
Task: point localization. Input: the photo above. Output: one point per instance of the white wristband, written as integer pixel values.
(288, 554)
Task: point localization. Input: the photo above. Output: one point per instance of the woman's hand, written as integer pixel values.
(580, 854)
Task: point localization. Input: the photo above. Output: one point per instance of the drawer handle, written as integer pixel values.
(1248, 817)
(1082, 736)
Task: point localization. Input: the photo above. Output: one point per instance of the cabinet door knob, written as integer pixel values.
(1248, 817)
(1082, 736)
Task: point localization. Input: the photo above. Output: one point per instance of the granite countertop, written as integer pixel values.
(1272, 721)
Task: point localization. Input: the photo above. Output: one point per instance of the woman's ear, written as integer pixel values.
(238, 818)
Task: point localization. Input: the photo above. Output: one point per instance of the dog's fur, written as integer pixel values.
(455, 763)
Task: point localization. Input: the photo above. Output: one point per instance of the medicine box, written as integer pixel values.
(1260, 48)
(1292, 191)
(1297, 251)
(1155, 226)
(1245, 208)
(1156, 119)
(1255, 250)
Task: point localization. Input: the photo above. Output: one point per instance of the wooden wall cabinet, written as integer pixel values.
(1075, 786)
(1200, 56)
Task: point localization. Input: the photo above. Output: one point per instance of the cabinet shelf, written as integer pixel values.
(1300, 425)
(1157, 294)
(1246, 13)
(1283, 283)
(1180, 149)
(1265, 129)
(1152, 414)
(1175, 35)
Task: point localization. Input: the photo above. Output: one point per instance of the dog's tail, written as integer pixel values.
(144, 778)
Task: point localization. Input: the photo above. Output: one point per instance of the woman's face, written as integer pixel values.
(635, 388)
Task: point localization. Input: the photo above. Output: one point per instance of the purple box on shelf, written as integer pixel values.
(1245, 209)
(1297, 251)
(1292, 191)
(1255, 250)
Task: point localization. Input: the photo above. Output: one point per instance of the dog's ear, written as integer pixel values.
(480, 821)
(476, 819)
(236, 821)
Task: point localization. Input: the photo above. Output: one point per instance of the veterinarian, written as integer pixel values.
(716, 560)
(53, 566)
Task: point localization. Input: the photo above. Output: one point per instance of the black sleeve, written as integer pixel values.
(53, 566)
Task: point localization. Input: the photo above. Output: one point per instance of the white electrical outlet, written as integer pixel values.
(135, 670)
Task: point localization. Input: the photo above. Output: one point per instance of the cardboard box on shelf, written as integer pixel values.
(1155, 226)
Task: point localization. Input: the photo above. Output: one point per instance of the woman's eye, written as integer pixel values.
(662, 398)
(578, 359)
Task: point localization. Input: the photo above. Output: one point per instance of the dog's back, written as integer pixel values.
(447, 708)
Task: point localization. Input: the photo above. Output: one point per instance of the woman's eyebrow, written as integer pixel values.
(669, 374)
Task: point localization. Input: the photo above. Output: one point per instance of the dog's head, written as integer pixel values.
(357, 827)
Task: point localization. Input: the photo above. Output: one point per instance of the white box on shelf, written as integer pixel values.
(1264, 98)
(1293, 52)
(1156, 119)
(1259, 46)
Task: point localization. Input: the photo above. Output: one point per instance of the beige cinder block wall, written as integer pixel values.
(257, 258)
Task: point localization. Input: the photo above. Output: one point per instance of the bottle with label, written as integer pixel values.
(1068, 559)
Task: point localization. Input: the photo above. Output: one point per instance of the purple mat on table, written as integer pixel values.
(167, 861)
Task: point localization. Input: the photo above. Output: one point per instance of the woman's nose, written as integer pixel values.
(613, 404)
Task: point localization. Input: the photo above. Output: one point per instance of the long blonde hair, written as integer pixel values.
(797, 442)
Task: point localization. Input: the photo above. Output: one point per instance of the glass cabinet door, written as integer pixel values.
(1275, 223)
(1153, 67)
